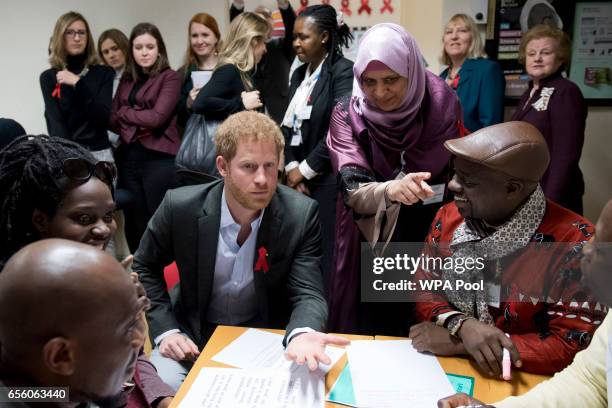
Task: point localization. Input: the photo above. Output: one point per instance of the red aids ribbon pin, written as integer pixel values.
(365, 7)
(57, 92)
(386, 7)
(303, 5)
(345, 8)
(262, 261)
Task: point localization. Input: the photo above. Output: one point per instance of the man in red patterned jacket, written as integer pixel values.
(532, 302)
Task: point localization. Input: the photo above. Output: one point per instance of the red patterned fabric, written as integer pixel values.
(548, 313)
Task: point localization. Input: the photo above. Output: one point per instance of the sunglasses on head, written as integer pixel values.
(81, 170)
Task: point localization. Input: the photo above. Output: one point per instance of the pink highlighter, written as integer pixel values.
(506, 364)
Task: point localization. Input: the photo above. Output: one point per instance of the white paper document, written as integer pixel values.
(242, 388)
(200, 78)
(262, 349)
(391, 373)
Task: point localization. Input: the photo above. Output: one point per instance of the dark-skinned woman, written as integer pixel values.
(318, 37)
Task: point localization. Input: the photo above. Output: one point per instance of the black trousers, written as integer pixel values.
(324, 190)
(147, 175)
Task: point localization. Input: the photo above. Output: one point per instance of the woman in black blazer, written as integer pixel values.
(318, 38)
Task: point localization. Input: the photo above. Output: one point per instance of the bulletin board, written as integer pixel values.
(589, 25)
(591, 67)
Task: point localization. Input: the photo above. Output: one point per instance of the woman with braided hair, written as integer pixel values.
(54, 188)
(318, 37)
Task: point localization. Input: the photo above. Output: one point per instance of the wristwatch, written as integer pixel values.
(455, 323)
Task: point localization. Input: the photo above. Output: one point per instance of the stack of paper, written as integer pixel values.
(391, 373)
(236, 388)
(263, 377)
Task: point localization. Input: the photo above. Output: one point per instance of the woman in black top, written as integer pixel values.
(318, 37)
(201, 57)
(76, 89)
(231, 87)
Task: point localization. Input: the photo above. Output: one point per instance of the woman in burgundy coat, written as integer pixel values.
(144, 116)
(557, 108)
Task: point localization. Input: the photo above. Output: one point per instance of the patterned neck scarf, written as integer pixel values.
(467, 242)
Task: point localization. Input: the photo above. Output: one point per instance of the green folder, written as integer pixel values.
(342, 391)
(462, 383)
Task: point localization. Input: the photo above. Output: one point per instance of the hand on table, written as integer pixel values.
(410, 189)
(485, 344)
(178, 347)
(459, 400)
(310, 348)
(428, 336)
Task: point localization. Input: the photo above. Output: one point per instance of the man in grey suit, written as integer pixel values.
(248, 253)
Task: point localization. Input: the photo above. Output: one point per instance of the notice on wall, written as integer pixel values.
(591, 67)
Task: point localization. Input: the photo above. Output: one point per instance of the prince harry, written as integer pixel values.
(248, 253)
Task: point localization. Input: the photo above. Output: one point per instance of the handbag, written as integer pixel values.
(197, 152)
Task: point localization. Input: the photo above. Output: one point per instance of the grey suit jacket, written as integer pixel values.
(185, 229)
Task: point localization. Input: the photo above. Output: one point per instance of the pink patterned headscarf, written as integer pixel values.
(392, 46)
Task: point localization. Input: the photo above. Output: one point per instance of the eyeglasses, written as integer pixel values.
(81, 170)
(74, 33)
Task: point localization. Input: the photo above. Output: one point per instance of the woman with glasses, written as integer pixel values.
(231, 88)
(54, 188)
(143, 114)
(77, 90)
(201, 59)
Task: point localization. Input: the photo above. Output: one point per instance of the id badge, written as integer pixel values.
(304, 114)
(438, 196)
(296, 139)
(493, 294)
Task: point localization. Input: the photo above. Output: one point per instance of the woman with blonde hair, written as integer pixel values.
(555, 106)
(479, 82)
(201, 58)
(231, 88)
(76, 89)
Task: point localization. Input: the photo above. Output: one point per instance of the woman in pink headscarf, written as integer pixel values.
(386, 144)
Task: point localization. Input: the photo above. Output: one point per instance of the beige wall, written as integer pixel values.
(596, 161)
(424, 20)
(28, 24)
